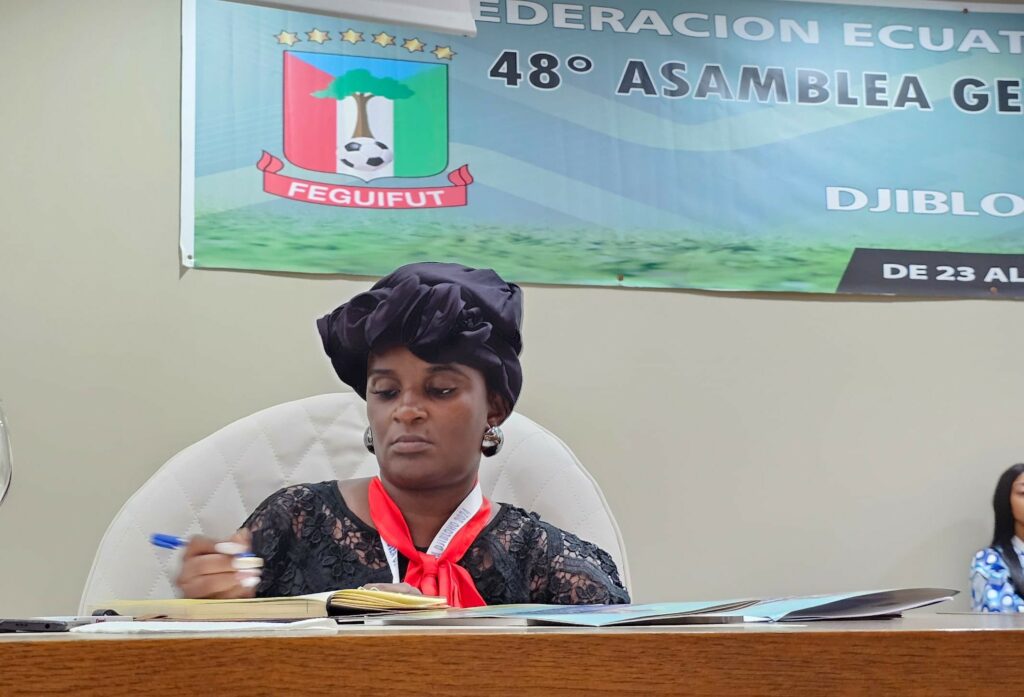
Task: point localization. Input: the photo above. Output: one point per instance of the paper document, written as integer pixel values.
(862, 604)
(574, 615)
(160, 627)
(846, 606)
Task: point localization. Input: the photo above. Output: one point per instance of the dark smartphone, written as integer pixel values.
(44, 624)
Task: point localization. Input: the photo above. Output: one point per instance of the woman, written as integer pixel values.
(997, 581)
(434, 351)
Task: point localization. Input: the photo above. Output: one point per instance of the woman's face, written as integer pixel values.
(1017, 503)
(427, 419)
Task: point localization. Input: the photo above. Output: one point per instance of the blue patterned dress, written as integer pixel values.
(991, 589)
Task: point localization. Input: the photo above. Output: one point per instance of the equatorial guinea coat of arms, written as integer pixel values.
(367, 118)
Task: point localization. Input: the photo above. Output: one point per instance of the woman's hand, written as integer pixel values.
(212, 569)
(393, 588)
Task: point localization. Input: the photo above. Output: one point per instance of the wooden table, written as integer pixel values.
(927, 654)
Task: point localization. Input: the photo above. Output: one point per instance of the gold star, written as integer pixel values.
(352, 36)
(287, 38)
(318, 36)
(384, 39)
(413, 45)
(444, 52)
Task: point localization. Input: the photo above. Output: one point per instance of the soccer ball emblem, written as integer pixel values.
(365, 154)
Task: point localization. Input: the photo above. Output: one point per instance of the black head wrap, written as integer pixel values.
(443, 313)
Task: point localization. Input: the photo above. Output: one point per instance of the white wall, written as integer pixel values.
(749, 444)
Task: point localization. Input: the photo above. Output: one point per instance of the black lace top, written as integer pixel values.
(311, 542)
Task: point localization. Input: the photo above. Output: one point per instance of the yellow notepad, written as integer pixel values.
(293, 607)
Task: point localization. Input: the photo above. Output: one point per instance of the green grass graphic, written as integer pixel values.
(246, 239)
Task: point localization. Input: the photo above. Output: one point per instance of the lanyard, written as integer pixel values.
(458, 519)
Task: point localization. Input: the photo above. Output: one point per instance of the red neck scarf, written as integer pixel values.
(432, 575)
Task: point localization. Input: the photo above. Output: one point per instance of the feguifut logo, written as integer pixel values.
(368, 118)
(923, 202)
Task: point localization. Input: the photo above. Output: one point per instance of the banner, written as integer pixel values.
(755, 145)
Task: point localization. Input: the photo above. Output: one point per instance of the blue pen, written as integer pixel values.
(246, 563)
(174, 542)
(167, 541)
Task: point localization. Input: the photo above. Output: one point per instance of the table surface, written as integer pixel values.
(922, 653)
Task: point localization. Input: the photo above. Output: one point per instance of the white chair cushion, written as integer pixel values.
(210, 487)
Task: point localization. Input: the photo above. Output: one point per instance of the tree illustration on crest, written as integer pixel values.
(362, 86)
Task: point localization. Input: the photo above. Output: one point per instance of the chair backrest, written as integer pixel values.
(210, 487)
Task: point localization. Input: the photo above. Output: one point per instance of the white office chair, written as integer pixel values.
(210, 487)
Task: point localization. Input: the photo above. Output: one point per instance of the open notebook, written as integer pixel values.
(856, 605)
(354, 600)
